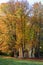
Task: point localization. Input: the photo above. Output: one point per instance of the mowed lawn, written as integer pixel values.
(12, 61)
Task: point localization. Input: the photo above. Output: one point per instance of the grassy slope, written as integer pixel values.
(12, 61)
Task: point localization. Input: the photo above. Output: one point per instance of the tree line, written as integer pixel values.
(20, 28)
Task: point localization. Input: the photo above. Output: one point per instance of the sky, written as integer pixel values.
(30, 1)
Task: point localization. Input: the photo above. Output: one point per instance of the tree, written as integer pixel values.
(20, 16)
(37, 14)
(8, 20)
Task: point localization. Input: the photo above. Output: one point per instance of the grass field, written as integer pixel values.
(12, 61)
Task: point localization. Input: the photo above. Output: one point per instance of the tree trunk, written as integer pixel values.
(30, 53)
(20, 52)
(33, 53)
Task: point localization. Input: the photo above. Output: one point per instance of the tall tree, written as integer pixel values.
(37, 14)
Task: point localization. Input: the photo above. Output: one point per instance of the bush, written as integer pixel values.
(3, 53)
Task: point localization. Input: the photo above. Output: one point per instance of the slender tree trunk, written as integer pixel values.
(33, 52)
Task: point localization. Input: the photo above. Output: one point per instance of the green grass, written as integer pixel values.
(12, 61)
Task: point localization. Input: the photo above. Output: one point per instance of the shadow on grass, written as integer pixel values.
(12, 61)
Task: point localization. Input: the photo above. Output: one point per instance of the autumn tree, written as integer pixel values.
(18, 14)
(8, 19)
(37, 19)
